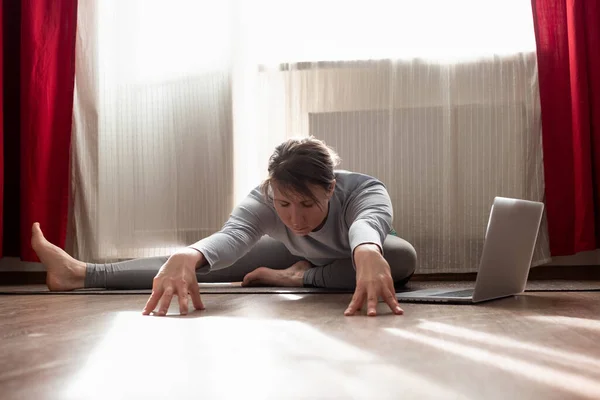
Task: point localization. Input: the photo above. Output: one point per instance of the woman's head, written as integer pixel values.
(301, 181)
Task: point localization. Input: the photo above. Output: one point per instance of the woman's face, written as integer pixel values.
(301, 214)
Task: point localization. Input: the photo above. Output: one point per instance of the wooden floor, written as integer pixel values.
(535, 346)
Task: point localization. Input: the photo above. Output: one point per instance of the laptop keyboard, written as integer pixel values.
(457, 293)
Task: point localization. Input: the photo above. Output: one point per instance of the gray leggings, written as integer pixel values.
(139, 273)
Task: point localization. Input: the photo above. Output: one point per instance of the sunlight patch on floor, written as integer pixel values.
(548, 376)
(236, 357)
(570, 321)
(496, 340)
(289, 296)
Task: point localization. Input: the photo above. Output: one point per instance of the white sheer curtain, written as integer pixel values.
(152, 126)
(179, 104)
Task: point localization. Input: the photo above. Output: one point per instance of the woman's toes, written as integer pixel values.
(253, 277)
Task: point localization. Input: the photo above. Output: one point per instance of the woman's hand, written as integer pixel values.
(373, 280)
(177, 277)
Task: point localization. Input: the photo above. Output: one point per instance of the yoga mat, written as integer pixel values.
(231, 288)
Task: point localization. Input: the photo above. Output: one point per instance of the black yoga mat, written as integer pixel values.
(225, 288)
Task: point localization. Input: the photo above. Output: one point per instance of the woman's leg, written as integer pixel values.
(131, 274)
(139, 273)
(267, 253)
(400, 255)
(66, 273)
(268, 262)
(63, 272)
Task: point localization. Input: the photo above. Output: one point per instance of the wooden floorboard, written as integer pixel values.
(534, 346)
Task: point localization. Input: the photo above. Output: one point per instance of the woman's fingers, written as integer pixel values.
(372, 299)
(195, 295)
(392, 302)
(356, 304)
(175, 278)
(396, 309)
(152, 301)
(165, 301)
(182, 293)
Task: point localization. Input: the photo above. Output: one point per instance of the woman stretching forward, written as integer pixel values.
(306, 225)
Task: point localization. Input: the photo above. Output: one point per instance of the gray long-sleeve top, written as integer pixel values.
(360, 211)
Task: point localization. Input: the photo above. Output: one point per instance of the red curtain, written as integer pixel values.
(48, 29)
(568, 52)
(11, 67)
(1, 129)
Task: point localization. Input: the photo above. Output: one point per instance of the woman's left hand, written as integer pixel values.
(373, 280)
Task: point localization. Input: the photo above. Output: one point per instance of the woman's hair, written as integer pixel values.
(296, 163)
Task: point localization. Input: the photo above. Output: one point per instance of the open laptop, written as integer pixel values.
(510, 239)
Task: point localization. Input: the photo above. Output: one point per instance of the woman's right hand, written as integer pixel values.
(177, 277)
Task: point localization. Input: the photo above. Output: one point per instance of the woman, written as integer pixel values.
(306, 225)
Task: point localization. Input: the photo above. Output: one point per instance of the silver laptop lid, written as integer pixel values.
(510, 239)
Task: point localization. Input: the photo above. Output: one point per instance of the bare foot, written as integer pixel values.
(63, 272)
(290, 277)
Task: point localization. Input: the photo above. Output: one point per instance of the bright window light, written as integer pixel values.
(332, 30)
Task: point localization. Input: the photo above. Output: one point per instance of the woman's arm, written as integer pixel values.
(246, 225)
(177, 277)
(369, 215)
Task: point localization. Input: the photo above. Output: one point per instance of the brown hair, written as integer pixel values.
(296, 163)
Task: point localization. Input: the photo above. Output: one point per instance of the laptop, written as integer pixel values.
(508, 247)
